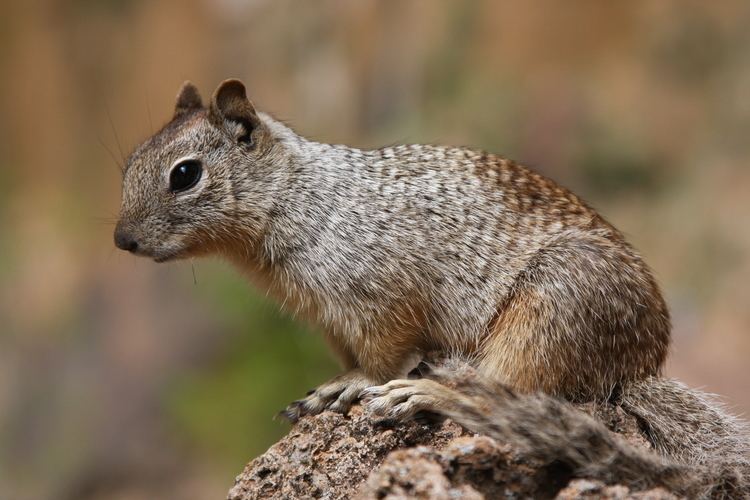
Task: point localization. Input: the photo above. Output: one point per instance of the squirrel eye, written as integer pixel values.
(184, 175)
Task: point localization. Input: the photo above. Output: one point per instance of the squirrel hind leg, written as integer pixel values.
(578, 321)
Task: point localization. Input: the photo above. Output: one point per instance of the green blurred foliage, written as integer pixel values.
(227, 408)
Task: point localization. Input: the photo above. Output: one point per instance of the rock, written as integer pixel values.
(583, 489)
(332, 456)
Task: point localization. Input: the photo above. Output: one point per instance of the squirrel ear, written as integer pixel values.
(230, 104)
(188, 99)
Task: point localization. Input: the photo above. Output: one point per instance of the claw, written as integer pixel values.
(290, 415)
(337, 407)
(337, 395)
(294, 411)
(371, 392)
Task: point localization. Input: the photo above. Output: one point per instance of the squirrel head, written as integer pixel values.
(202, 183)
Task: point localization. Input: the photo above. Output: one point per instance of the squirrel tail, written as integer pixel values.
(699, 450)
(690, 427)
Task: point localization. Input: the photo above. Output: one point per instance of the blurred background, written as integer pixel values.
(121, 378)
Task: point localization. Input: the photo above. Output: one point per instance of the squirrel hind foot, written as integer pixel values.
(410, 399)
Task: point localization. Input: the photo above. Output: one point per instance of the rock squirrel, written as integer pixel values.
(405, 250)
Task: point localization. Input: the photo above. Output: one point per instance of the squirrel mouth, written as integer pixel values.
(172, 252)
(165, 257)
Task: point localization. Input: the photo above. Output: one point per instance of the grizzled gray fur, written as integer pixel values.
(401, 251)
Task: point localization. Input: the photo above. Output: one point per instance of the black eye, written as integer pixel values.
(185, 175)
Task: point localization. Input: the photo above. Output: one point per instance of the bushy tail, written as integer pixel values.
(701, 451)
(690, 427)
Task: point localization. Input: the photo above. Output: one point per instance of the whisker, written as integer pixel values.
(110, 218)
(112, 155)
(114, 132)
(148, 111)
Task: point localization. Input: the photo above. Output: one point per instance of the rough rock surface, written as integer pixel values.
(332, 456)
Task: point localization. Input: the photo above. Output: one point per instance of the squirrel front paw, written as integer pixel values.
(337, 394)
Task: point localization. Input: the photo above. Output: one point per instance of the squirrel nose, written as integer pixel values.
(124, 240)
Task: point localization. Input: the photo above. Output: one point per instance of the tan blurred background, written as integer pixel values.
(120, 378)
